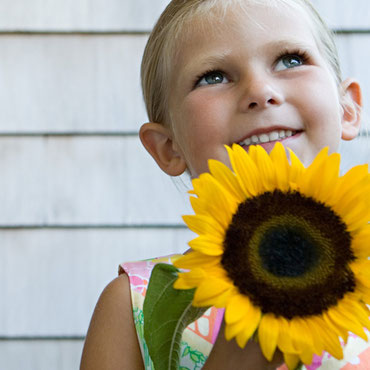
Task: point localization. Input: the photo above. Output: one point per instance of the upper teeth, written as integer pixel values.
(265, 138)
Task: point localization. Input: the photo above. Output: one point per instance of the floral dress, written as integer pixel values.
(199, 337)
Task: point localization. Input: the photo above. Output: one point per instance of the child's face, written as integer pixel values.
(261, 78)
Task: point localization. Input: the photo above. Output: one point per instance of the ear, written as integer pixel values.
(158, 141)
(351, 104)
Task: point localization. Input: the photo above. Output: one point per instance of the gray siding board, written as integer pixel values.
(50, 280)
(138, 15)
(85, 181)
(91, 84)
(40, 355)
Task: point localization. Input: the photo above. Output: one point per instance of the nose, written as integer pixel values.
(261, 93)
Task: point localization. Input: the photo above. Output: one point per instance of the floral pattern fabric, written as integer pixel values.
(199, 337)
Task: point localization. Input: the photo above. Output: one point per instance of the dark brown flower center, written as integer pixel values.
(289, 254)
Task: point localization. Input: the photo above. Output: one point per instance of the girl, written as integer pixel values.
(218, 72)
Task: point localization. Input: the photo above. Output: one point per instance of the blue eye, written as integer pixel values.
(212, 78)
(289, 61)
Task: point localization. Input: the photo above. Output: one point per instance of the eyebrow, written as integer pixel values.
(289, 43)
(279, 44)
(211, 60)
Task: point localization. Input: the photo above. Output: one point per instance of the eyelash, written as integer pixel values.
(204, 74)
(302, 54)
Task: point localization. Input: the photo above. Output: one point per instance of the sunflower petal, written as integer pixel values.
(302, 339)
(329, 182)
(280, 161)
(226, 178)
(203, 225)
(297, 169)
(246, 171)
(268, 333)
(291, 360)
(209, 290)
(353, 177)
(237, 309)
(361, 242)
(285, 342)
(329, 337)
(265, 166)
(250, 325)
(313, 174)
(214, 200)
(196, 259)
(189, 280)
(206, 246)
(232, 330)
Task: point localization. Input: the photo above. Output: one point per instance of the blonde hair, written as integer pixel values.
(160, 50)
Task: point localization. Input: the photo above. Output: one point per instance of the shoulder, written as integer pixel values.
(111, 341)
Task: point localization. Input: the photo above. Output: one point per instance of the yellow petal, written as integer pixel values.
(318, 344)
(329, 337)
(361, 243)
(297, 169)
(280, 162)
(353, 177)
(250, 325)
(268, 332)
(313, 174)
(329, 182)
(189, 280)
(284, 340)
(246, 171)
(238, 308)
(209, 290)
(227, 178)
(201, 224)
(265, 166)
(231, 330)
(196, 259)
(291, 360)
(301, 337)
(214, 200)
(206, 246)
(356, 312)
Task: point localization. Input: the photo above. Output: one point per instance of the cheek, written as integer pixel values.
(320, 102)
(205, 106)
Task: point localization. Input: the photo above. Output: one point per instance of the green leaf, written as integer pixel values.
(186, 351)
(167, 312)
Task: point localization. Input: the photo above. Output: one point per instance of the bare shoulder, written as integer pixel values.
(111, 341)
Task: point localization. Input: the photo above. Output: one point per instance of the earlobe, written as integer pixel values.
(158, 141)
(351, 104)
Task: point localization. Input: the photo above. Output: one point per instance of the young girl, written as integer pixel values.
(218, 72)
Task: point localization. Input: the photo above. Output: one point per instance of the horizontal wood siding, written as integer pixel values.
(91, 84)
(40, 354)
(138, 15)
(50, 280)
(78, 193)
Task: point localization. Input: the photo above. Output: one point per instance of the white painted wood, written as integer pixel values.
(344, 14)
(85, 180)
(61, 15)
(87, 84)
(354, 53)
(40, 355)
(90, 181)
(140, 15)
(71, 83)
(50, 280)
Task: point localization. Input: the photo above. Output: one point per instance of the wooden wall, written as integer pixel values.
(78, 194)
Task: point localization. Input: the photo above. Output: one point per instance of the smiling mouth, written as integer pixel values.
(276, 135)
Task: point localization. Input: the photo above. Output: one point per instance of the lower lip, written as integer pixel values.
(270, 145)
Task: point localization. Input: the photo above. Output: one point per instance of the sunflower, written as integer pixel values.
(284, 249)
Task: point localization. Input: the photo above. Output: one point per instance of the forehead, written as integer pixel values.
(246, 25)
